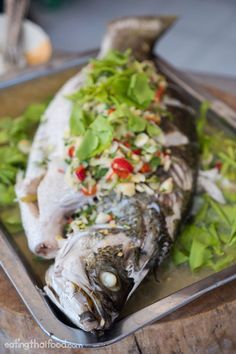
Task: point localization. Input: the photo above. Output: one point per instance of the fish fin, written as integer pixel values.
(138, 33)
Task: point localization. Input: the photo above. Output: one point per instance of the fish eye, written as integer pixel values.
(109, 280)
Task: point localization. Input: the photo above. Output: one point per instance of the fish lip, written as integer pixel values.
(90, 296)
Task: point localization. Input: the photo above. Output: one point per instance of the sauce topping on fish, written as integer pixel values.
(115, 141)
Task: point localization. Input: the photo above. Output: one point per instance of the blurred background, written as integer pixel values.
(203, 39)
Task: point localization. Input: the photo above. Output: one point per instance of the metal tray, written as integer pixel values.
(152, 300)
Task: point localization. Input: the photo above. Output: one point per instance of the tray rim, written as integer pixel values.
(36, 302)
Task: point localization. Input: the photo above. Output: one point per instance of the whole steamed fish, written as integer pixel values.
(116, 170)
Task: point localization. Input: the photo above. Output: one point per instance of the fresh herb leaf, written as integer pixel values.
(88, 146)
(136, 124)
(153, 130)
(139, 90)
(97, 138)
(155, 162)
(78, 123)
(100, 172)
(178, 256)
(199, 254)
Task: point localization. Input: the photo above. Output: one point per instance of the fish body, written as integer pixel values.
(106, 236)
(42, 221)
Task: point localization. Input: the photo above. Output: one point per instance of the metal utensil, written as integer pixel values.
(15, 11)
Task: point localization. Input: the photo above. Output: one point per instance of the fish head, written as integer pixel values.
(92, 277)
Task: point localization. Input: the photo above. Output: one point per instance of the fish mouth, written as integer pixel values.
(77, 302)
(92, 318)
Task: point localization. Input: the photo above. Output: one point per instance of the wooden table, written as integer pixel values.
(208, 325)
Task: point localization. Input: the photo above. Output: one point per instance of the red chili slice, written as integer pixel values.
(71, 151)
(80, 173)
(127, 144)
(89, 192)
(218, 165)
(137, 151)
(145, 168)
(159, 93)
(122, 167)
(111, 110)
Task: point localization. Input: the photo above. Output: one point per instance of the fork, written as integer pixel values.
(15, 11)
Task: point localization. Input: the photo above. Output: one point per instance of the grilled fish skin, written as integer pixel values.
(96, 270)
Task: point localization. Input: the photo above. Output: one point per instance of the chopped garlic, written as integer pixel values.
(167, 163)
(113, 147)
(167, 186)
(154, 185)
(147, 158)
(138, 166)
(102, 218)
(127, 188)
(135, 157)
(147, 189)
(103, 161)
(139, 188)
(138, 178)
(141, 139)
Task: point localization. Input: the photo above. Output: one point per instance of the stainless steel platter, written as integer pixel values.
(152, 300)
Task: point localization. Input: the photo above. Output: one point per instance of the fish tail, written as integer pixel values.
(138, 33)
